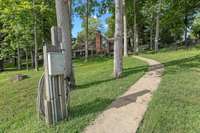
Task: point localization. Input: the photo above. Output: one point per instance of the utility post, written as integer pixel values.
(55, 93)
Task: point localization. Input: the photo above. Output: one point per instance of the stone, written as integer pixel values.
(18, 77)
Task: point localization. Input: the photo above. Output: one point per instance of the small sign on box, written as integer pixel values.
(56, 63)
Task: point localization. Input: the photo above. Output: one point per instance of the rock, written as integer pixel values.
(18, 77)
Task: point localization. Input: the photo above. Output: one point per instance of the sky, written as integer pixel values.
(77, 21)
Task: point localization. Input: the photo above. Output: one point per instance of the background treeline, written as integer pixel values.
(25, 25)
(178, 20)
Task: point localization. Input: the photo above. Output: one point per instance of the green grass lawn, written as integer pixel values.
(175, 107)
(96, 89)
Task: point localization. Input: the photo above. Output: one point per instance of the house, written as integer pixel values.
(101, 45)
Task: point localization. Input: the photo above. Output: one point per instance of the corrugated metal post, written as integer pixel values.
(55, 105)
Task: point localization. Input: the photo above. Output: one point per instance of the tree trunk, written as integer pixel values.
(186, 31)
(118, 39)
(151, 33)
(32, 59)
(72, 79)
(151, 38)
(18, 59)
(132, 44)
(157, 27)
(1, 65)
(63, 21)
(26, 53)
(35, 39)
(86, 43)
(15, 59)
(125, 29)
(136, 48)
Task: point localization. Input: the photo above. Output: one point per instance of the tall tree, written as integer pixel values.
(125, 29)
(35, 37)
(118, 38)
(136, 47)
(26, 55)
(157, 26)
(1, 65)
(18, 58)
(86, 21)
(63, 12)
(1, 52)
(151, 31)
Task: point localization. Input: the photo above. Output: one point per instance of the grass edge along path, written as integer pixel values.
(175, 106)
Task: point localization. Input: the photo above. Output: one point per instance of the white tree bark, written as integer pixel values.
(18, 58)
(151, 39)
(118, 38)
(35, 39)
(72, 77)
(26, 54)
(157, 27)
(125, 29)
(36, 48)
(63, 21)
(186, 30)
(86, 21)
(32, 58)
(151, 34)
(136, 48)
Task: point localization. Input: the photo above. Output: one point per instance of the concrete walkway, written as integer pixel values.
(125, 114)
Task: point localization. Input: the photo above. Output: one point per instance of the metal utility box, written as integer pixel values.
(56, 63)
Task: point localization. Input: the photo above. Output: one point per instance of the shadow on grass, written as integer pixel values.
(9, 70)
(126, 73)
(98, 105)
(170, 49)
(95, 106)
(183, 64)
(130, 71)
(125, 100)
(95, 59)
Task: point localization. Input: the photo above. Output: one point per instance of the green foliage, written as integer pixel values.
(80, 8)
(176, 17)
(17, 19)
(196, 27)
(111, 24)
(94, 26)
(95, 7)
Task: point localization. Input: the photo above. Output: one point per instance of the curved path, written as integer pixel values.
(125, 114)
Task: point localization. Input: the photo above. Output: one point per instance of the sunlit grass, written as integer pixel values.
(175, 107)
(96, 89)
